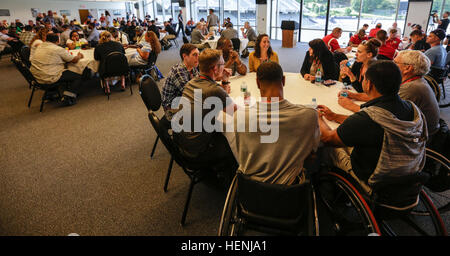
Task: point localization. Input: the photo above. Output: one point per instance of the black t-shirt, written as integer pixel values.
(154, 29)
(422, 45)
(444, 24)
(366, 136)
(170, 30)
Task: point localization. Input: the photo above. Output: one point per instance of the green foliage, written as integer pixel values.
(348, 11)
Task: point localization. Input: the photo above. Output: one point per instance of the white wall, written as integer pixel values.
(21, 9)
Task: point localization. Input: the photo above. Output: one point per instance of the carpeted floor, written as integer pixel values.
(86, 169)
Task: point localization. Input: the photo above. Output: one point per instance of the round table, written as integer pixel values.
(88, 60)
(213, 43)
(296, 90)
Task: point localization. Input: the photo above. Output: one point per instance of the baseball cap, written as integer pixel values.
(439, 33)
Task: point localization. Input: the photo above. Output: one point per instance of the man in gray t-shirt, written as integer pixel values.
(230, 32)
(204, 146)
(278, 155)
(212, 20)
(436, 54)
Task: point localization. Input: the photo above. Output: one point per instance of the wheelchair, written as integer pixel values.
(342, 204)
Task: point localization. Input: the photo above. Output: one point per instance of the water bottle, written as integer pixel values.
(244, 87)
(350, 62)
(314, 103)
(318, 76)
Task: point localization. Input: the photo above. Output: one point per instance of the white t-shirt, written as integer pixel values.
(78, 43)
(33, 47)
(123, 37)
(47, 65)
(137, 59)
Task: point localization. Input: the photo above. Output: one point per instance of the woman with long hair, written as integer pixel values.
(319, 57)
(37, 40)
(365, 55)
(263, 53)
(107, 45)
(151, 44)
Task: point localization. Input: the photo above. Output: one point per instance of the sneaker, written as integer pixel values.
(69, 101)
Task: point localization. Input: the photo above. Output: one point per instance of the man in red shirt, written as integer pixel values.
(358, 38)
(331, 41)
(393, 41)
(373, 32)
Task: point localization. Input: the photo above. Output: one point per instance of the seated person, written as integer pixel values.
(436, 54)
(151, 45)
(65, 35)
(413, 66)
(119, 37)
(249, 33)
(231, 57)
(47, 67)
(197, 37)
(195, 142)
(139, 37)
(418, 41)
(388, 134)
(331, 41)
(171, 34)
(152, 27)
(229, 32)
(105, 46)
(94, 35)
(385, 51)
(373, 32)
(4, 40)
(178, 77)
(365, 55)
(393, 40)
(263, 53)
(27, 35)
(356, 39)
(280, 159)
(319, 57)
(75, 42)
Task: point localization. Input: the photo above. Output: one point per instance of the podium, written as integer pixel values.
(289, 33)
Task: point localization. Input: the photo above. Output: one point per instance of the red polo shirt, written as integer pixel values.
(356, 40)
(387, 51)
(393, 42)
(373, 32)
(331, 42)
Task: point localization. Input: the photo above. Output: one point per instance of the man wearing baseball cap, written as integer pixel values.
(436, 53)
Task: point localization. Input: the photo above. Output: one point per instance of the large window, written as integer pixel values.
(349, 15)
(247, 12)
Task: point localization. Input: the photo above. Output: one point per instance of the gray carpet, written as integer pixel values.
(86, 169)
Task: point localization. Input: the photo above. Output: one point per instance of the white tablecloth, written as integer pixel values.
(213, 43)
(89, 61)
(297, 90)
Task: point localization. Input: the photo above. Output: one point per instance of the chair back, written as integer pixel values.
(150, 93)
(115, 64)
(434, 86)
(25, 71)
(275, 206)
(25, 55)
(152, 58)
(438, 74)
(236, 44)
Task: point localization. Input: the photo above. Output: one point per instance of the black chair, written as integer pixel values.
(434, 86)
(114, 65)
(195, 171)
(236, 44)
(439, 75)
(150, 68)
(51, 91)
(175, 41)
(151, 97)
(25, 55)
(269, 208)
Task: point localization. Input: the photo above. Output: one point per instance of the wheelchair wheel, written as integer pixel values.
(345, 206)
(422, 220)
(229, 222)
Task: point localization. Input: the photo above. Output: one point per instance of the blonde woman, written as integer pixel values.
(107, 45)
